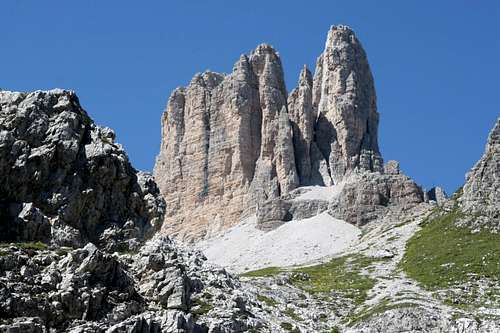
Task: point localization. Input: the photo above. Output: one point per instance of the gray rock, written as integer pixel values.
(303, 119)
(64, 180)
(226, 145)
(392, 168)
(482, 187)
(367, 196)
(87, 290)
(345, 99)
(438, 195)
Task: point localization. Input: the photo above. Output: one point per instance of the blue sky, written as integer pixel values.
(436, 64)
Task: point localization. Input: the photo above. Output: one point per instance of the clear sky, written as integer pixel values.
(436, 64)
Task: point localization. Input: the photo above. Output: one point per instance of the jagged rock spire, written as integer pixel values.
(344, 96)
(303, 119)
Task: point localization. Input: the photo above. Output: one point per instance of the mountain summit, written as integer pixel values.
(232, 142)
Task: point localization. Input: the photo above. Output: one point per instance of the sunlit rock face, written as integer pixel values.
(345, 100)
(232, 142)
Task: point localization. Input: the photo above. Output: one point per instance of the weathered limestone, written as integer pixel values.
(231, 144)
(366, 196)
(162, 288)
(482, 187)
(64, 180)
(345, 99)
(438, 195)
(226, 145)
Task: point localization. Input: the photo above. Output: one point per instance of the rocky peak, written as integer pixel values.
(482, 187)
(234, 142)
(228, 144)
(344, 95)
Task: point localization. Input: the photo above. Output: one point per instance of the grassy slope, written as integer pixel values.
(441, 254)
(461, 266)
(342, 275)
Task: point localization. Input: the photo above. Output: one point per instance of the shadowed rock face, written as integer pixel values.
(231, 143)
(64, 180)
(482, 187)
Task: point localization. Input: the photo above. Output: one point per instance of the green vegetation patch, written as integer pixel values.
(35, 246)
(379, 308)
(289, 327)
(267, 300)
(264, 272)
(200, 307)
(289, 312)
(342, 275)
(442, 255)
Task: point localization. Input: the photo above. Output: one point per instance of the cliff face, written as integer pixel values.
(226, 144)
(65, 181)
(231, 143)
(482, 187)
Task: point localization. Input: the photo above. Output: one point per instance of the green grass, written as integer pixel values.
(289, 327)
(35, 246)
(289, 312)
(264, 272)
(200, 307)
(63, 251)
(267, 300)
(342, 275)
(381, 307)
(442, 255)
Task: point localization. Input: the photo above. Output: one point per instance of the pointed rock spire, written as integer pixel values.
(233, 142)
(344, 95)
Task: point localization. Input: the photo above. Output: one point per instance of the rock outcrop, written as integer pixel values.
(367, 196)
(66, 185)
(64, 180)
(438, 195)
(231, 143)
(162, 288)
(482, 187)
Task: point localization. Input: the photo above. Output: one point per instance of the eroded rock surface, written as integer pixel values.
(232, 143)
(163, 288)
(344, 95)
(64, 180)
(368, 196)
(482, 187)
